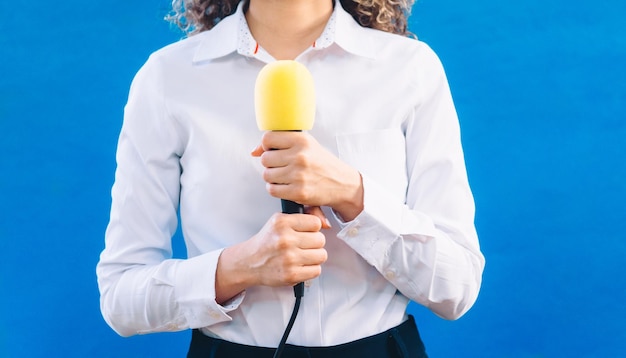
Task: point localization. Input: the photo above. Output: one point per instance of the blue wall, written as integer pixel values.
(540, 87)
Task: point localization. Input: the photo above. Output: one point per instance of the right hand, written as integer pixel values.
(289, 249)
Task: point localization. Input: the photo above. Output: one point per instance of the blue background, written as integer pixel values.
(540, 87)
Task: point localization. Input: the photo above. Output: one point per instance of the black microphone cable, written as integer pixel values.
(298, 291)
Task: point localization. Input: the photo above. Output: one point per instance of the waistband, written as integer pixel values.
(402, 341)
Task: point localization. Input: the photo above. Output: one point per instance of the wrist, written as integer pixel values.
(352, 203)
(230, 279)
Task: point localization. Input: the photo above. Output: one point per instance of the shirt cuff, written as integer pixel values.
(195, 292)
(383, 220)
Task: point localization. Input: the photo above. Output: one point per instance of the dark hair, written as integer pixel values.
(194, 16)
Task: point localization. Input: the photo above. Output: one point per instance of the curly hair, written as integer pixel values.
(194, 16)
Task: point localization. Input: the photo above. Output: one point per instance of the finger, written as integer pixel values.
(302, 222)
(286, 191)
(278, 175)
(317, 211)
(311, 241)
(273, 140)
(317, 257)
(305, 273)
(257, 151)
(275, 158)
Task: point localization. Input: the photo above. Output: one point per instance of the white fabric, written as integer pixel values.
(383, 106)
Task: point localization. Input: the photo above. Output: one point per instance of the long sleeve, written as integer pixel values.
(426, 246)
(142, 288)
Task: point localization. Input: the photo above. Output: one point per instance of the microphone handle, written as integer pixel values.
(291, 207)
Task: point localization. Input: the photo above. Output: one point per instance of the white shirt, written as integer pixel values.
(383, 106)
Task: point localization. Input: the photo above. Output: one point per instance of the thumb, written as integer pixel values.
(317, 211)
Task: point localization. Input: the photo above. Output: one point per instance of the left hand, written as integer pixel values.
(299, 169)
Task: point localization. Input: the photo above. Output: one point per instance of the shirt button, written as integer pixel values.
(390, 275)
(172, 327)
(214, 315)
(307, 283)
(353, 232)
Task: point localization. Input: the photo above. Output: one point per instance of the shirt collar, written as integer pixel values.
(233, 35)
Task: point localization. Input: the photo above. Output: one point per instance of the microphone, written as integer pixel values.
(284, 100)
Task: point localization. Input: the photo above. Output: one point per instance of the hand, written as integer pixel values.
(299, 169)
(289, 249)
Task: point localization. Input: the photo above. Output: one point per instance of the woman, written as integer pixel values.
(390, 212)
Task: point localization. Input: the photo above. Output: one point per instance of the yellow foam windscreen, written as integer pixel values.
(284, 97)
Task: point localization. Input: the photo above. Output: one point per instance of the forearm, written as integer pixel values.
(436, 271)
(131, 303)
(430, 259)
(168, 296)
